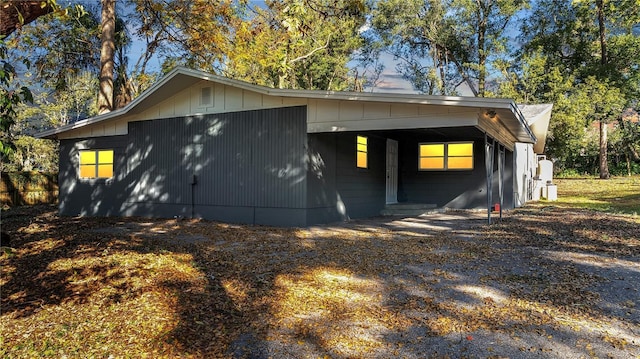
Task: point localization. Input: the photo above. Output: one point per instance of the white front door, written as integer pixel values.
(392, 171)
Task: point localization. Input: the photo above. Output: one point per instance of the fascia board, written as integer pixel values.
(523, 122)
(356, 96)
(112, 114)
(474, 102)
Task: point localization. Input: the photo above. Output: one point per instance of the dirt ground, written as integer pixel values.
(544, 282)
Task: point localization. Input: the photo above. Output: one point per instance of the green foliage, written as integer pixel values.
(197, 34)
(59, 108)
(298, 44)
(442, 44)
(64, 46)
(33, 154)
(11, 95)
(563, 61)
(415, 33)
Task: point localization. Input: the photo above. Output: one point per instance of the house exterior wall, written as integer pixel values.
(189, 102)
(508, 182)
(524, 159)
(323, 115)
(92, 196)
(196, 144)
(338, 190)
(464, 189)
(452, 189)
(250, 167)
(345, 116)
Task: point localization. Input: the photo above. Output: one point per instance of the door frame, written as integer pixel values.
(391, 173)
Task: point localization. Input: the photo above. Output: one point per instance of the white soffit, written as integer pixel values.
(538, 118)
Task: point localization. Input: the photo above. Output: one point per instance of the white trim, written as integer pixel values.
(513, 117)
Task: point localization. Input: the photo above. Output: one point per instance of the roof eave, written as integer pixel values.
(523, 123)
(473, 102)
(52, 133)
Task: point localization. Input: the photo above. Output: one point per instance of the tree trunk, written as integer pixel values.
(10, 12)
(604, 165)
(482, 55)
(462, 72)
(602, 32)
(105, 96)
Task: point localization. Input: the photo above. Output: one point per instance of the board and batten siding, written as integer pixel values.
(188, 102)
(338, 190)
(250, 167)
(461, 189)
(89, 197)
(343, 116)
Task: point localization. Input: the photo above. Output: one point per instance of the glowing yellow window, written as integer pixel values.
(431, 156)
(361, 152)
(445, 156)
(96, 164)
(460, 156)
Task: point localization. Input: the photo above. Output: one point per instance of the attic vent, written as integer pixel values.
(205, 96)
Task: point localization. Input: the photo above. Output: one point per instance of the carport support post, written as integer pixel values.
(488, 163)
(501, 159)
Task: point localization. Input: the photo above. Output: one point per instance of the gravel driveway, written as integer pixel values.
(544, 282)
(481, 293)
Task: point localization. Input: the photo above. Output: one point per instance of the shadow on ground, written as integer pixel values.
(540, 283)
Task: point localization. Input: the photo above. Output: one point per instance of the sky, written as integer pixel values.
(390, 79)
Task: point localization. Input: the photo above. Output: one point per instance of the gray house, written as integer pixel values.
(200, 145)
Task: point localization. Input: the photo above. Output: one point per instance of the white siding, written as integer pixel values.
(524, 162)
(340, 115)
(323, 115)
(186, 103)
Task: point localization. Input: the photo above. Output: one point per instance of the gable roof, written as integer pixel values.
(180, 78)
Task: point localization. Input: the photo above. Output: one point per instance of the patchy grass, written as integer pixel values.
(618, 194)
(112, 287)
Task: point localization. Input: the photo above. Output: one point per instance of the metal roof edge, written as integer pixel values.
(115, 113)
(523, 121)
(479, 102)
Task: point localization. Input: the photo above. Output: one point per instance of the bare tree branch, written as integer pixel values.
(310, 53)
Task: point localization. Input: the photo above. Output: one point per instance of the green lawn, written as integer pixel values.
(617, 195)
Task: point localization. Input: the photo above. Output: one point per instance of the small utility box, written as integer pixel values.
(550, 192)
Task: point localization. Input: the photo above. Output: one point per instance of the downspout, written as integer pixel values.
(194, 182)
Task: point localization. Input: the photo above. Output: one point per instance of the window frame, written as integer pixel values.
(445, 156)
(97, 162)
(360, 150)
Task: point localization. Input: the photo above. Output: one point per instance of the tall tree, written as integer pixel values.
(298, 44)
(108, 29)
(602, 103)
(602, 118)
(593, 44)
(445, 43)
(60, 48)
(195, 33)
(15, 14)
(417, 33)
